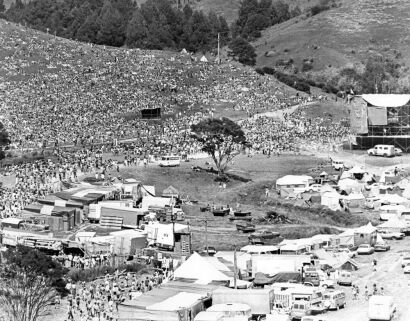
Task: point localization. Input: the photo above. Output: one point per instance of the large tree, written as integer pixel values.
(242, 51)
(220, 138)
(29, 283)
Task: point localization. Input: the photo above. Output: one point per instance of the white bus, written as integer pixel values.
(170, 161)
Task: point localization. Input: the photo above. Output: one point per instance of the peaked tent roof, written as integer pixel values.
(197, 268)
(387, 100)
(366, 229)
(170, 191)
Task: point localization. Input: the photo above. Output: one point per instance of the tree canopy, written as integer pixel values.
(243, 51)
(155, 24)
(220, 138)
(29, 283)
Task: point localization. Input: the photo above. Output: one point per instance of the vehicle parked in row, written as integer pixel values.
(381, 247)
(405, 260)
(350, 250)
(387, 235)
(365, 249)
(334, 300)
(406, 269)
(314, 188)
(265, 237)
(345, 278)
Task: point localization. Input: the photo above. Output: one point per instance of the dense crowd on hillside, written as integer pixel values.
(297, 132)
(79, 94)
(57, 94)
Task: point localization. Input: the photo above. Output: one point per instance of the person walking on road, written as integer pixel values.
(374, 265)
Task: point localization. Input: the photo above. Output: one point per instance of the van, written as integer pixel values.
(381, 307)
(170, 161)
(338, 165)
(345, 278)
(382, 150)
(299, 309)
(334, 300)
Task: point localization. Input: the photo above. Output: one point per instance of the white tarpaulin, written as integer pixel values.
(177, 302)
(386, 100)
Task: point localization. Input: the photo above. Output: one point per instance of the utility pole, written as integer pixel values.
(219, 59)
(206, 235)
(234, 269)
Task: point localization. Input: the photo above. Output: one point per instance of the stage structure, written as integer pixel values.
(381, 119)
(153, 113)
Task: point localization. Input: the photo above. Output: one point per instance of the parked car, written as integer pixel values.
(328, 284)
(350, 250)
(406, 268)
(365, 249)
(391, 235)
(404, 260)
(211, 251)
(381, 247)
(264, 236)
(314, 188)
(381, 307)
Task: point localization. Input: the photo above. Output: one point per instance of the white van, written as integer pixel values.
(334, 300)
(338, 165)
(345, 278)
(169, 161)
(382, 150)
(381, 308)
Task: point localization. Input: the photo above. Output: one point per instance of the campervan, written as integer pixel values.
(390, 211)
(334, 300)
(170, 161)
(381, 308)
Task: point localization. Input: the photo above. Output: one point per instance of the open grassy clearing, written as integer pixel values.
(263, 171)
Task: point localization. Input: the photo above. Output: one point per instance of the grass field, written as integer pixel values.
(201, 187)
(340, 36)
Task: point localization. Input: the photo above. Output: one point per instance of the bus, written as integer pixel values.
(170, 161)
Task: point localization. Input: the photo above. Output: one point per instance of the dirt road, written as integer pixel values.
(389, 275)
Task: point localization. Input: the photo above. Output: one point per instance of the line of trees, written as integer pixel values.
(156, 24)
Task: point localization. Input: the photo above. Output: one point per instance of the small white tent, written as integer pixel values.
(197, 268)
(203, 59)
(331, 200)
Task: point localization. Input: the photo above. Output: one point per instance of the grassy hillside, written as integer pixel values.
(340, 36)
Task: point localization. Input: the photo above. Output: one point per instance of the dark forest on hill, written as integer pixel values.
(155, 24)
